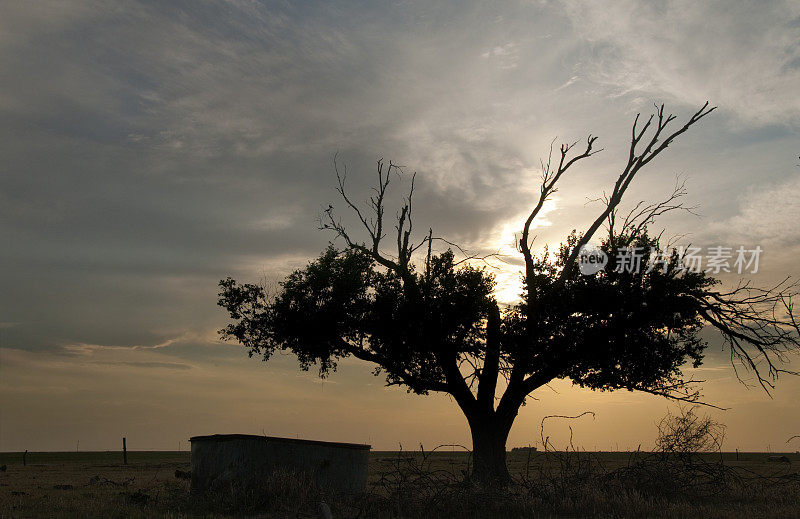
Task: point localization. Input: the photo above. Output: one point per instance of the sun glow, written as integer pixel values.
(509, 267)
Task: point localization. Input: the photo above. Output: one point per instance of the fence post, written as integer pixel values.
(124, 452)
(24, 455)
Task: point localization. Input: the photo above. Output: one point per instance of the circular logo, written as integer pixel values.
(591, 259)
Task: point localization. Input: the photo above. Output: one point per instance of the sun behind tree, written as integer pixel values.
(435, 325)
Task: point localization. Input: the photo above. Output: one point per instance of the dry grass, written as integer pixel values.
(415, 485)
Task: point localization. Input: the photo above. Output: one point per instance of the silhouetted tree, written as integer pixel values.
(434, 324)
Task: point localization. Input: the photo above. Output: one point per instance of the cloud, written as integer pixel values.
(151, 151)
(743, 57)
(769, 214)
(165, 365)
(766, 217)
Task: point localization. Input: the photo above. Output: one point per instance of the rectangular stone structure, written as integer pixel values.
(246, 461)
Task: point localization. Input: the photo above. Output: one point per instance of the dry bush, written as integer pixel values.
(681, 464)
(687, 433)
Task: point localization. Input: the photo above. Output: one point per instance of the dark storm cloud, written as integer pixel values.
(150, 150)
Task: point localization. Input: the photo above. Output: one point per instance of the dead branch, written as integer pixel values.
(636, 161)
(541, 426)
(758, 324)
(643, 213)
(374, 225)
(550, 176)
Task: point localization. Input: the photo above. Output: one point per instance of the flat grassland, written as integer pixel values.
(414, 484)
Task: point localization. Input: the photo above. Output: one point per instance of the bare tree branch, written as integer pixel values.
(643, 214)
(550, 176)
(758, 324)
(636, 161)
(678, 391)
(374, 226)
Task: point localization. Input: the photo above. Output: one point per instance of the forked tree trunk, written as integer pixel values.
(489, 450)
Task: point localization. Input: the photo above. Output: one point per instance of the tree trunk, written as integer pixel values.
(489, 450)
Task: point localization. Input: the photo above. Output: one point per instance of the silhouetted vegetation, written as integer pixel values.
(430, 322)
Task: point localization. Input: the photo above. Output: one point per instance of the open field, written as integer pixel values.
(97, 484)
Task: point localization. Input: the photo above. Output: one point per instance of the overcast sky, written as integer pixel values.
(147, 151)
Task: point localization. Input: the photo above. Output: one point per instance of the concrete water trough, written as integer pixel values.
(220, 461)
